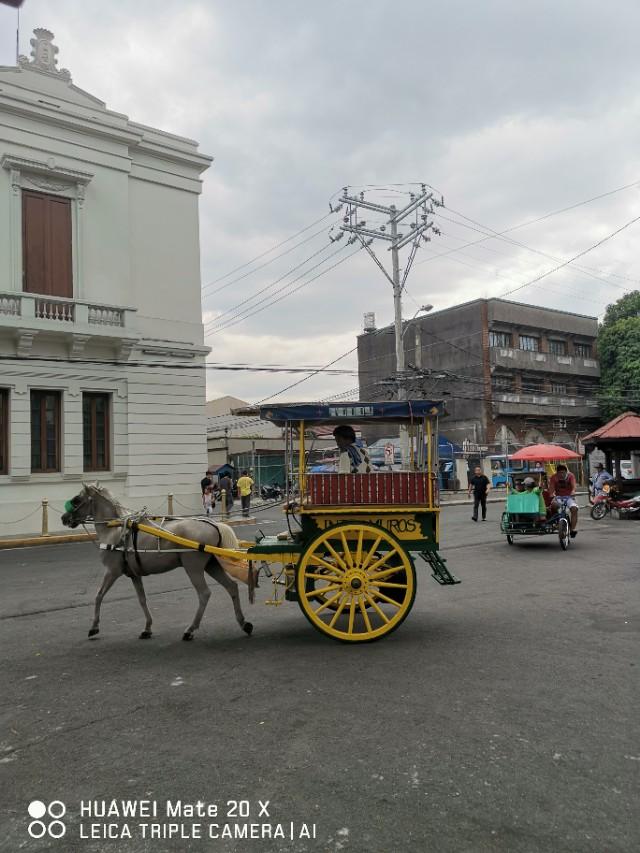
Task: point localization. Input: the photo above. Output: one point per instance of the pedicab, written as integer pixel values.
(348, 555)
(523, 513)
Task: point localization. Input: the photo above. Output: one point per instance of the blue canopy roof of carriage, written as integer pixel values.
(391, 411)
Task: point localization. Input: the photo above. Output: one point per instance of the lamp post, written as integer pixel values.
(400, 370)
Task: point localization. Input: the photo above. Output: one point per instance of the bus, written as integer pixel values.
(502, 468)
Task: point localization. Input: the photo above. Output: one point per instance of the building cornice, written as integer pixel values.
(90, 126)
(49, 168)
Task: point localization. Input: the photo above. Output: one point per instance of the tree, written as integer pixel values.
(619, 352)
(626, 306)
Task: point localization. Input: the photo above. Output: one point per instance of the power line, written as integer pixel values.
(234, 322)
(538, 219)
(493, 250)
(565, 288)
(513, 242)
(207, 365)
(314, 373)
(574, 258)
(233, 310)
(268, 251)
(265, 264)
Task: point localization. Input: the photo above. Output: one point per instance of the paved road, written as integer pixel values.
(502, 716)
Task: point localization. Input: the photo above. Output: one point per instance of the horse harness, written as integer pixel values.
(129, 543)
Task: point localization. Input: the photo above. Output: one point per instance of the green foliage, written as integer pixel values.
(627, 306)
(619, 352)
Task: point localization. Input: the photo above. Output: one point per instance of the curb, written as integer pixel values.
(64, 538)
(51, 539)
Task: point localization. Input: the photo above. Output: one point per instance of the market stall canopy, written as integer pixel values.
(544, 453)
(625, 427)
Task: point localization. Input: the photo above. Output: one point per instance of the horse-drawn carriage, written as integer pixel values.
(347, 557)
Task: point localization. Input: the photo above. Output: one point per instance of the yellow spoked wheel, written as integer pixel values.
(355, 583)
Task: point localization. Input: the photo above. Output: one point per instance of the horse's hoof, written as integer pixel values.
(187, 636)
(145, 635)
(247, 628)
(93, 632)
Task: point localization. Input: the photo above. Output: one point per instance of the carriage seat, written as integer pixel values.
(523, 503)
(524, 507)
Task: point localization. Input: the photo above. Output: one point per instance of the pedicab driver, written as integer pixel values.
(563, 485)
(353, 459)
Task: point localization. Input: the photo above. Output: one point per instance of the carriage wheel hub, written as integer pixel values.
(355, 582)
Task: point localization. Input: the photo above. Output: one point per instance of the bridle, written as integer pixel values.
(77, 504)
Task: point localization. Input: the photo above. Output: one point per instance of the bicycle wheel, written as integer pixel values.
(563, 533)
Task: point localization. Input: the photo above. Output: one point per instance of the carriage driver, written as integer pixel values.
(563, 485)
(353, 459)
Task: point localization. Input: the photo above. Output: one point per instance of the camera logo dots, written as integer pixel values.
(53, 828)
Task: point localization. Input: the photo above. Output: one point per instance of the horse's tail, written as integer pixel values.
(228, 538)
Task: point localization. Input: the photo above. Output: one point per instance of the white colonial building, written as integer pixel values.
(101, 338)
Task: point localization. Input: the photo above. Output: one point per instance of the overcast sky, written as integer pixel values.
(511, 110)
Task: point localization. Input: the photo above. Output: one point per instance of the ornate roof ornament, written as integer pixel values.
(44, 55)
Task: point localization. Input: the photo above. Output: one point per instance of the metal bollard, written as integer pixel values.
(45, 517)
(223, 503)
(170, 503)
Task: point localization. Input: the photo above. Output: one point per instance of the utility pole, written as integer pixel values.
(420, 206)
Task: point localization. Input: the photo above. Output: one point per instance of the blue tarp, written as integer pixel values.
(447, 448)
(394, 411)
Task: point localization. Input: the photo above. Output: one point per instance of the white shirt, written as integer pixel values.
(345, 465)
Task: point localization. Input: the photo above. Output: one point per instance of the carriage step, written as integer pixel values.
(440, 573)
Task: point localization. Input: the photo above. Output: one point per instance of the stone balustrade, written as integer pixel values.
(57, 312)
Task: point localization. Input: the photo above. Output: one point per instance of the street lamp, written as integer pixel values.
(423, 309)
(400, 370)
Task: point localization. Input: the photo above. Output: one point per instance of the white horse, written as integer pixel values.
(142, 554)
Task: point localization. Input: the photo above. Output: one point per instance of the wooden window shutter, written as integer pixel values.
(46, 244)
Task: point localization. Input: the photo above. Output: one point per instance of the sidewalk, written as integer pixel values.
(21, 541)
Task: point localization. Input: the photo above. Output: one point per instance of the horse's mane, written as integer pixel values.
(104, 493)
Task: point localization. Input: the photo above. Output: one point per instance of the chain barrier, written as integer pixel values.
(24, 518)
(184, 506)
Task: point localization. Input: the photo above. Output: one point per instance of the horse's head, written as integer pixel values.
(89, 504)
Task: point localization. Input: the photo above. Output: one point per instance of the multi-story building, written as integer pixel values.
(101, 337)
(510, 373)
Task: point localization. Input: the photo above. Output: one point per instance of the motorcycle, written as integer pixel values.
(607, 501)
(271, 493)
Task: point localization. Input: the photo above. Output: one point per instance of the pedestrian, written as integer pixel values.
(480, 486)
(601, 477)
(208, 500)
(245, 484)
(206, 481)
(226, 486)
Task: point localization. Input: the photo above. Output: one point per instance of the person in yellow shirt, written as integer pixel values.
(245, 484)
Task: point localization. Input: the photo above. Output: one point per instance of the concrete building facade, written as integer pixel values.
(510, 373)
(101, 337)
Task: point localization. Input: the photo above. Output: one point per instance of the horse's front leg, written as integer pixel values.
(218, 573)
(142, 598)
(111, 576)
(196, 576)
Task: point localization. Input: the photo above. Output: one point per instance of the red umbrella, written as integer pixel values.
(545, 453)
